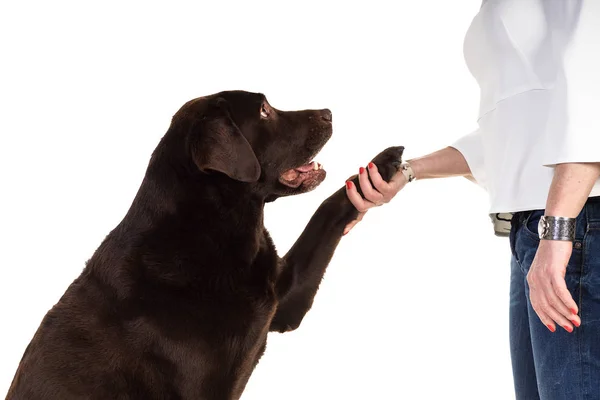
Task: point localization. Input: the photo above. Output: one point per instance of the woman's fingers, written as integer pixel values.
(356, 199)
(375, 190)
(546, 320)
(370, 194)
(568, 305)
(380, 185)
(549, 306)
(548, 291)
(387, 189)
(554, 308)
(545, 312)
(550, 317)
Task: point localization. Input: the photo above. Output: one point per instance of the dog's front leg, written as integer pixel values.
(303, 267)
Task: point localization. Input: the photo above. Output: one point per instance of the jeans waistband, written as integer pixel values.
(593, 212)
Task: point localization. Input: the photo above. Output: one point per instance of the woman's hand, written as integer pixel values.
(440, 164)
(377, 194)
(548, 291)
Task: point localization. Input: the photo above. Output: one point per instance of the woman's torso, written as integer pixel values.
(512, 49)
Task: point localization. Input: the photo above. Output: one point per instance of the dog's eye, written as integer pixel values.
(263, 112)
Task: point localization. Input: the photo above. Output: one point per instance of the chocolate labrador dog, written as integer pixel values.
(177, 301)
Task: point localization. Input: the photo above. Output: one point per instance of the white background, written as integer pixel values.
(415, 302)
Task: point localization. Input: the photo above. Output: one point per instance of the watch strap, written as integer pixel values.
(407, 171)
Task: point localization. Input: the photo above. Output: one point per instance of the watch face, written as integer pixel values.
(542, 227)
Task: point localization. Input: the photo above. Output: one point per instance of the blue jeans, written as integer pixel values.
(560, 365)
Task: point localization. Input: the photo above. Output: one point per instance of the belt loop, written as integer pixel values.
(512, 236)
(585, 219)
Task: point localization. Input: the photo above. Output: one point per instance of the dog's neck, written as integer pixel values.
(183, 209)
(197, 199)
(170, 222)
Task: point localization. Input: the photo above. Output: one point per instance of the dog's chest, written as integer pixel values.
(267, 262)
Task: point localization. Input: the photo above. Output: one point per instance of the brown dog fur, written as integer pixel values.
(177, 301)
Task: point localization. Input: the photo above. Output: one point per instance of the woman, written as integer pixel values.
(537, 153)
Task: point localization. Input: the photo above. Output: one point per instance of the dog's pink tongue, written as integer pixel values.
(306, 167)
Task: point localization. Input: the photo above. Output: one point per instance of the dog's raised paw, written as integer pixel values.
(388, 161)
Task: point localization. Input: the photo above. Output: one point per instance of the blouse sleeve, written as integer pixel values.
(573, 131)
(471, 147)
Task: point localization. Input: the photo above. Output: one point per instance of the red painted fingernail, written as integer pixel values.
(349, 184)
(568, 328)
(574, 311)
(551, 328)
(361, 170)
(371, 165)
(576, 323)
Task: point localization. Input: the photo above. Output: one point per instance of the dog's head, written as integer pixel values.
(241, 136)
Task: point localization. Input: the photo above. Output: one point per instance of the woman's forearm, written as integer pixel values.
(570, 188)
(444, 163)
(440, 164)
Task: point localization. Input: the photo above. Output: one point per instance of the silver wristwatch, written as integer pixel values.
(407, 171)
(556, 228)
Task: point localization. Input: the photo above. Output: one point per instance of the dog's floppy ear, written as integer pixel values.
(220, 145)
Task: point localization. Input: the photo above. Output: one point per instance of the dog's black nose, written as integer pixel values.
(326, 115)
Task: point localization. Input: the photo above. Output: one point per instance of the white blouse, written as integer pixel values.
(537, 63)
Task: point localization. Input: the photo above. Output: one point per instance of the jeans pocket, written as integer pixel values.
(530, 226)
(527, 239)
